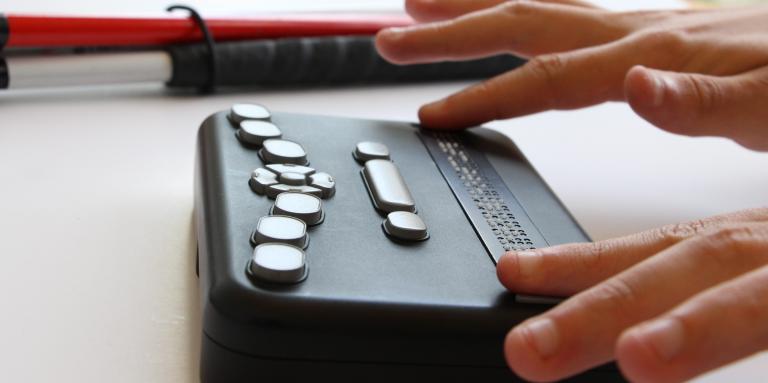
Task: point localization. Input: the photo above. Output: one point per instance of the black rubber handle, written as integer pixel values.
(315, 61)
(4, 31)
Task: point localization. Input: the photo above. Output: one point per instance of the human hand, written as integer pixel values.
(709, 76)
(667, 304)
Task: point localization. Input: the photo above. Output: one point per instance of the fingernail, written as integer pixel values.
(664, 336)
(659, 88)
(542, 335)
(394, 33)
(527, 262)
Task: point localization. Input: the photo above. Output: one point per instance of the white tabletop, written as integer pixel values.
(97, 246)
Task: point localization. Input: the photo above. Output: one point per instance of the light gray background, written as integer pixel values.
(96, 238)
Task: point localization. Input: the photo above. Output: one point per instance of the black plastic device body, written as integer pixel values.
(371, 309)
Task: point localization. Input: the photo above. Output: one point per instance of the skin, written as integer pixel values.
(667, 304)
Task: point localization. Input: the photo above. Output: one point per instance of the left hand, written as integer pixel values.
(667, 304)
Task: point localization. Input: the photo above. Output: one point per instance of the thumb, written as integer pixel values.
(702, 105)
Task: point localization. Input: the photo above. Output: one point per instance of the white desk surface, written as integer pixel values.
(96, 240)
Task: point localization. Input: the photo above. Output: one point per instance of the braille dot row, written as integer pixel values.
(492, 206)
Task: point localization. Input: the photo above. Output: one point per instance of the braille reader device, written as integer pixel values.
(353, 250)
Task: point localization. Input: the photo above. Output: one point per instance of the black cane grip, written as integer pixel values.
(315, 61)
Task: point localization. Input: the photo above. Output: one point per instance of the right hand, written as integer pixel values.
(692, 72)
(667, 304)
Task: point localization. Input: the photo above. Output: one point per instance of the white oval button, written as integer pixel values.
(283, 152)
(278, 263)
(282, 229)
(242, 112)
(260, 179)
(405, 225)
(256, 132)
(367, 150)
(305, 207)
(387, 187)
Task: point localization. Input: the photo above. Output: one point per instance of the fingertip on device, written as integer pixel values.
(438, 115)
(506, 267)
(524, 360)
(640, 362)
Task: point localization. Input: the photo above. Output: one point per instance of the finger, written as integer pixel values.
(524, 28)
(567, 269)
(698, 335)
(559, 81)
(545, 83)
(581, 332)
(438, 10)
(703, 105)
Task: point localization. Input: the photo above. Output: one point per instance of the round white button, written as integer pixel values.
(279, 263)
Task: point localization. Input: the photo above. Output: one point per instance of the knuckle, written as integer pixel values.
(616, 296)
(760, 213)
(707, 93)
(664, 40)
(754, 85)
(729, 235)
(597, 257)
(548, 69)
(663, 48)
(756, 214)
(675, 233)
(703, 96)
(726, 241)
